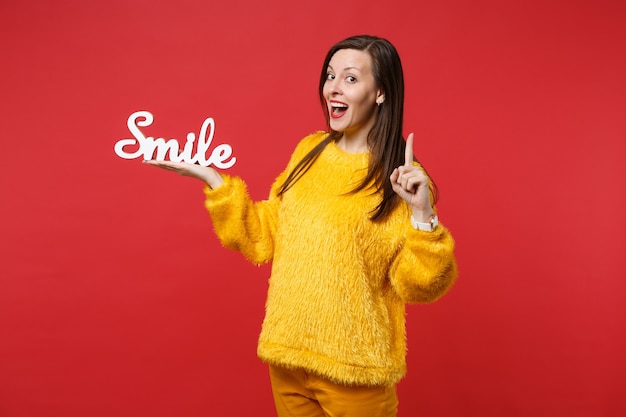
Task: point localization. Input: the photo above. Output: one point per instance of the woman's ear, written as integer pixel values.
(380, 98)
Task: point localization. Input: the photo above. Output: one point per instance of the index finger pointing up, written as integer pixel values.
(408, 151)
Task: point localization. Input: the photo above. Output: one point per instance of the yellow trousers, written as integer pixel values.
(300, 394)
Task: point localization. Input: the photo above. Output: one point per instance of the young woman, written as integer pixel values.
(352, 234)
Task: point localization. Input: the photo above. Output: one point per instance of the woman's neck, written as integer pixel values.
(353, 143)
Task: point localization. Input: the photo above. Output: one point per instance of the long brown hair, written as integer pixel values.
(385, 138)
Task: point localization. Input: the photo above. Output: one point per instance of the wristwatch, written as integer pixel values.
(425, 227)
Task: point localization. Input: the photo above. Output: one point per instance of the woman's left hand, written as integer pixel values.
(411, 183)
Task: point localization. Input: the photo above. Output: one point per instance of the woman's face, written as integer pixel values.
(351, 92)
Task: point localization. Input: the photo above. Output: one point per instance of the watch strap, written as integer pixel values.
(425, 227)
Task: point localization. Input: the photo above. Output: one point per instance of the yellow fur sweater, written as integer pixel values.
(339, 283)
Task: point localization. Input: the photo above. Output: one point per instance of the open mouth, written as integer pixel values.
(337, 109)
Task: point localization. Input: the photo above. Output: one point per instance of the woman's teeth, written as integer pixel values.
(339, 108)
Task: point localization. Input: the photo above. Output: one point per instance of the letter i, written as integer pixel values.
(185, 155)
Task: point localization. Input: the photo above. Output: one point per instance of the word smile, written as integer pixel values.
(221, 156)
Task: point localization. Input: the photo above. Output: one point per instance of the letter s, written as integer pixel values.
(133, 124)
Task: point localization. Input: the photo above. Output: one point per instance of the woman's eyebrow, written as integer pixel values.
(346, 68)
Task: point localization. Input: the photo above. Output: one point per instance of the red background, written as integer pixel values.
(116, 298)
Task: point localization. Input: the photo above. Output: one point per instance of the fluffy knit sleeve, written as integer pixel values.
(425, 267)
(247, 226)
(241, 224)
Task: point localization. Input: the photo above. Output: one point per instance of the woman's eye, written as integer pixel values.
(330, 76)
(351, 79)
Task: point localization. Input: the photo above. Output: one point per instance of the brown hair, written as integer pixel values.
(385, 138)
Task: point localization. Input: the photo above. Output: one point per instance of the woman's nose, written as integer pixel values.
(333, 87)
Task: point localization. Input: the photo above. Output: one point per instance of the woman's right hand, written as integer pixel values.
(206, 174)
